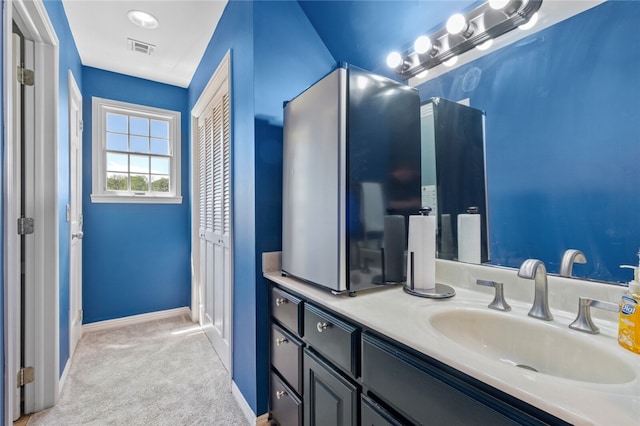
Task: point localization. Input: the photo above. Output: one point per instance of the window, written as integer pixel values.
(136, 153)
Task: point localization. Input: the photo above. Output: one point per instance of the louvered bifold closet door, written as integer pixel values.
(205, 154)
(226, 166)
(215, 199)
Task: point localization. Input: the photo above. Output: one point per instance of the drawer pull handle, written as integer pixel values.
(281, 341)
(321, 326)
(280, 394)
(281, 301)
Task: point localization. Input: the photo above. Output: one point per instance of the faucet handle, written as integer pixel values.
(499, 303)
(583, 321)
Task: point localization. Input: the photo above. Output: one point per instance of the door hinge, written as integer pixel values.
(80, 315)
(25, 376)
(25, 225)
(26, 76)
(81, 124)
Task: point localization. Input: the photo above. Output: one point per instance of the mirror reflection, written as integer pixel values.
(562, 141)
(453, 178)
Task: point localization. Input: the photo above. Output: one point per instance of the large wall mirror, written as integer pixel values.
(562, 132)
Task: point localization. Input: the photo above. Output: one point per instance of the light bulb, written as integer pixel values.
(450, 62)
(484, 46)
(422, 44)
(456, 24)
(423, 74)
(498, 4)
(531, 23)
(394, 60)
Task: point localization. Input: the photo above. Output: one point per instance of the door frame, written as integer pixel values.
(222, 73)
(74, 92)
(45, 327)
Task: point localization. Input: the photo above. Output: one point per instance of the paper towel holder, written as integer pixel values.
(440, 291)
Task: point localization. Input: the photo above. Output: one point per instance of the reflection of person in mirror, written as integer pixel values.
(404, 189)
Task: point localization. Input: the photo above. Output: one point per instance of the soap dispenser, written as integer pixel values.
(629, 325)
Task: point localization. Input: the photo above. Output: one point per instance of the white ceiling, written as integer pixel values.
(100, 29)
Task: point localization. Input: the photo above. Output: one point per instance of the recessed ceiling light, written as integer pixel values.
(143, 19)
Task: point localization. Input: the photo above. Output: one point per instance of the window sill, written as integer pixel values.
(135, 199)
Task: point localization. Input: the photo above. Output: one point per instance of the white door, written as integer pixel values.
(214, 224)
(75, 215)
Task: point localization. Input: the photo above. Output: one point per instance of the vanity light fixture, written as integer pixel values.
(450, 62)
(498, 4)
(484, 46)
(462, 32)
(422, 45)
(531, 23)
(507, 6)
(458, 24)
(143, 19)
(394, 59)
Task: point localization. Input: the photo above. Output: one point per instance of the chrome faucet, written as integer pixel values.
(570, 257)
(533, 269)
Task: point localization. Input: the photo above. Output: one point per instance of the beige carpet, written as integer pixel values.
(161, 372)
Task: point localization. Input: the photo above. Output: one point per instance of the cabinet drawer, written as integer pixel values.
(287, 309)
(329, 398)
(286, 357)
(420, 392)
(371, 414)
(286, 408)
(332, 337)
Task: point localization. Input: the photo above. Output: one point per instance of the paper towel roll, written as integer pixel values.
(469, 238)
(422, 249)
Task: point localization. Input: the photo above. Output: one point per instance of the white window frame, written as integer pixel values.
(100, 108)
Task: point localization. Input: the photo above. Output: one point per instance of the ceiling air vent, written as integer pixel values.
(141, 46)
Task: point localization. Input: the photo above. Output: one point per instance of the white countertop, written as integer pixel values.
(405, 319)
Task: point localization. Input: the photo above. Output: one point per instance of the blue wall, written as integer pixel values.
(136, 257)
(69, 60)
(275, 55)
(563, 140)
(235, 32)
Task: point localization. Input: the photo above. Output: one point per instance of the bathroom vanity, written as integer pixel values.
(387, 358)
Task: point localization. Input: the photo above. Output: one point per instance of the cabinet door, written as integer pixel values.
(329, 398)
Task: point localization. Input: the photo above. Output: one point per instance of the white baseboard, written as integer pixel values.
(63, 377)
(135, 319)
(246, 409)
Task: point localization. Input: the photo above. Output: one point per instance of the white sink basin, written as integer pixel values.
(532, 345)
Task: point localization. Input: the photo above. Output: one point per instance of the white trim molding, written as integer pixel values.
(251, 417)
(135, 319)
(99, 194)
